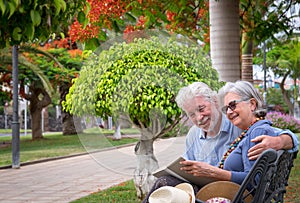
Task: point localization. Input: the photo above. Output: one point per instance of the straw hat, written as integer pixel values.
(220, 189)
(181, 193)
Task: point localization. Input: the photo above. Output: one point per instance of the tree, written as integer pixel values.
(284, 60)
(70, 60)
(30, 20)
(43, 69)
(140, 80)
(225, 38)
(95, 23)
(38, 96)
(24, 22)
(102, 20)
(259, 20)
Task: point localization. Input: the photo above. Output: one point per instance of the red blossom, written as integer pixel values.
(100, 16)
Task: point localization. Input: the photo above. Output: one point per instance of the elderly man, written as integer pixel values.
(212, 133)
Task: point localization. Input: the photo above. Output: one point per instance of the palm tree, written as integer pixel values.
(225, 38)
(258, 23)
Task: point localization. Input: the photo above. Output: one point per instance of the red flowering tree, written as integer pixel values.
(43, 69)
(97, 20)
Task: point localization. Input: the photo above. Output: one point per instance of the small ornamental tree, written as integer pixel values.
(141, 80)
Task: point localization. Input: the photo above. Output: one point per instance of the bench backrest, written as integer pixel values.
(268, 177)
(277, 188)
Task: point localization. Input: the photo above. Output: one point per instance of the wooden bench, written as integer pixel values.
(266, 181)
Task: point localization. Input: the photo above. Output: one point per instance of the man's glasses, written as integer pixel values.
(232, 105)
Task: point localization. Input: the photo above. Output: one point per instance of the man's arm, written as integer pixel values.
(286, 140)
(267, 142)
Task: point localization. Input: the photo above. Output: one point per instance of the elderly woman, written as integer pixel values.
(244, 108)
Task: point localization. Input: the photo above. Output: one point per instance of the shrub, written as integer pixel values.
(284, 121)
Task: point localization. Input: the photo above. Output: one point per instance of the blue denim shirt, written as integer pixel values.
(237, 162)
(210, 149)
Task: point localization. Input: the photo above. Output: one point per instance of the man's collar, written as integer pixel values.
(226, 124)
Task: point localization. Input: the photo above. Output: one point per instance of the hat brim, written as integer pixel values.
(187, 188)
(224, 189)
(181, 193)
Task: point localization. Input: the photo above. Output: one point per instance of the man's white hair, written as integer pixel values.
(193, 90)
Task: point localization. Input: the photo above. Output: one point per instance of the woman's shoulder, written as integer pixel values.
(262, 127)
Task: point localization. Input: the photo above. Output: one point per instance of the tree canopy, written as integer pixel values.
(284, 60)
(99, 18)
(138, 79)
(27, 20)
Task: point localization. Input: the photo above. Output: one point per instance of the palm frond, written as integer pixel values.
(7, 59)
(31, 49)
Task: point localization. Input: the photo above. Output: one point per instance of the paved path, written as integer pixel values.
(69, 179)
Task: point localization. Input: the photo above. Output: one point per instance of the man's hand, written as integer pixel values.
(265, 142)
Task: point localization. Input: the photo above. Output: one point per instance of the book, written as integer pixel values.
(174, 170)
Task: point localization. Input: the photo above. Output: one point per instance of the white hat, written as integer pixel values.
(181, 193)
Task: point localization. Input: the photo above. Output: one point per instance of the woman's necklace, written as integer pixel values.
(235, 143)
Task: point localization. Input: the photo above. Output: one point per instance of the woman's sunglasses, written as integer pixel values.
(232, 105)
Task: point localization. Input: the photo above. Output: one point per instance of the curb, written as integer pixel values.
(68, 156)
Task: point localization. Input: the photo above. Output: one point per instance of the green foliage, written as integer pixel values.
(4, 96)
(274, 97)
(268, 18)
(282, 58)
(140, 79)
(27, 20)
(44, 67)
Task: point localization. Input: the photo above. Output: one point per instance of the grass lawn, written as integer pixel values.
(56, 145)
(122, 193)
(293, 189)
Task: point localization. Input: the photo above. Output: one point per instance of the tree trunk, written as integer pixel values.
(70, 125)
(147, 164)
(247, 64)
(285, 94)
(36, 118)
(225, 38)
(45, 114)
(39, 99)
(117, 135)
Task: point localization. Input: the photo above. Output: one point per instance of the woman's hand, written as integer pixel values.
(205, 170)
